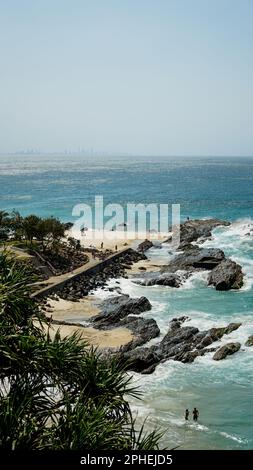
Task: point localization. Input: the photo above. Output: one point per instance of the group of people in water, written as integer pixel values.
(195, 414)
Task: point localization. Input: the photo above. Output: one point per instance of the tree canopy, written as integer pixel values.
(46, 230)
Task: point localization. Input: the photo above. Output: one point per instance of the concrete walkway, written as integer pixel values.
(57, 282)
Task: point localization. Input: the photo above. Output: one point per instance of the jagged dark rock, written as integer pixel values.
(144, 246)
(144, 329)
(205, 338)
(116, 308)
(231, 327)
(192, 230)
(190, 356)
(227, 275)
(182, 344)
(142, 360)
(226, 350)
(118, 312)
(249, 341)
(176, 341)
(195, 258)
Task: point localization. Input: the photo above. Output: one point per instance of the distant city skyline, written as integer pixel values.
(140, 77)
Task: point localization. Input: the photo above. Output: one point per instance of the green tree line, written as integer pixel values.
(45, 230)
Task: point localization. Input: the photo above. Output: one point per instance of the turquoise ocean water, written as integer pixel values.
(204, 187)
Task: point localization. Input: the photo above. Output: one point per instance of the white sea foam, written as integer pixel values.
(195, 279)
(198, 427)
(234, 438)
(231, 237)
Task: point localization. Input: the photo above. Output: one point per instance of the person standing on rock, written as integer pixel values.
(187, 414)
(195, 414)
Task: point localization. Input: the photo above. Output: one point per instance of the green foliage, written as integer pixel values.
(56, 393)
(16, 306)
(30, 226)
(49, 230)
(4, 225)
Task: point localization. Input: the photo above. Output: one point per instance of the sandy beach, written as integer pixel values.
(67, 311)
(102, 339)
(112, 239)
(146, 265)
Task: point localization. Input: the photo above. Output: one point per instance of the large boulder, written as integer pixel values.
(116, 308)
(143, 329)
(195, 258)
(175, 341)
(144, 246)
(226, 350)
(142, 360)
(227, 275)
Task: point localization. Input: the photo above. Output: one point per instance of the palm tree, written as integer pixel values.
(57, 393)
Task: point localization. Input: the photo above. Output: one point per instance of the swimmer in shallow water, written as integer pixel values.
(195, 414)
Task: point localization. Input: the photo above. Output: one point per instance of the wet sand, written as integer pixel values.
(65, 310)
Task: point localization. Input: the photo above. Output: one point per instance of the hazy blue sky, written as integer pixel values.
(136, 76)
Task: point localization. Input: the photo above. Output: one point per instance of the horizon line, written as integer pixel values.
(120, 154)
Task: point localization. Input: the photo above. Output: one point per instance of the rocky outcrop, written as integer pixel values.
(192, 230)
(145, 245)
(205, 338)
(143, 360)
(249, 341)
(226, 350)
(115, 309)
(181, 343)
(166, 279)
(227, 275)
(144, 329)
(195, 258)
(120, 311)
